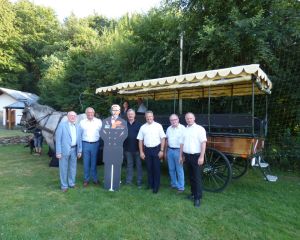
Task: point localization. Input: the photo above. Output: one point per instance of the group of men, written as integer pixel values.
(146, 142)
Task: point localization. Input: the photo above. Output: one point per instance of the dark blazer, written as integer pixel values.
(114, 135)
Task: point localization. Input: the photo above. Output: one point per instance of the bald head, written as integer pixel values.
(190, 118)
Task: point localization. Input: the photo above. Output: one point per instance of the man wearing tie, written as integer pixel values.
(68, 149)
(114, 132)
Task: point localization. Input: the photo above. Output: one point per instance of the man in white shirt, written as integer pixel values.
(192, 148)
(90, 134)
(151, 138)
(141, 107)
(174, 134)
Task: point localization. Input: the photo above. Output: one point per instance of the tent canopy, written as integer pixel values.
(234, 81)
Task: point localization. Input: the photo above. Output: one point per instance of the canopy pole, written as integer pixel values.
(180, 68)
(253, 106)
(208, 109)
(174, 102)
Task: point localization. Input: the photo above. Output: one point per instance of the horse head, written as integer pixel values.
(28, 120)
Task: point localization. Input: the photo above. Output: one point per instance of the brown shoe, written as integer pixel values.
(85, 184)
(64, 189)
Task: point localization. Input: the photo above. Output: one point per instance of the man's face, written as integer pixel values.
(115, 111)
(174, 121)
(131, 115)
(72, 117)
(190, 119)
(149, 117)
(90, 114)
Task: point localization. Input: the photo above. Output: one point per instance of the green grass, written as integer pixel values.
(12, 133)
(33, 207)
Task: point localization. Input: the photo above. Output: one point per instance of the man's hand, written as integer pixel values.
(142, 155)
(200, 161)
(161, 154)
(181, 160)
(78, 155)
(58, 155)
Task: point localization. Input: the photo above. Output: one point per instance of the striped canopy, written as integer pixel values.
(234, 81)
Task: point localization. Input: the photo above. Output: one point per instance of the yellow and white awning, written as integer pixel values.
(234, 81)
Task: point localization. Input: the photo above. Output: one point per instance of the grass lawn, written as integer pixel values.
(12, 133)
(33, 207)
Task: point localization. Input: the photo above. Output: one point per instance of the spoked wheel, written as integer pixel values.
(216, 171)
(239, 166)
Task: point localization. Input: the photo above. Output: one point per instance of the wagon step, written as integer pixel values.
(264, 168)
(257, 162)
(271, 178)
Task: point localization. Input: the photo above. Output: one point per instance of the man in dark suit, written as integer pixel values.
(113, 132)
(68, 149)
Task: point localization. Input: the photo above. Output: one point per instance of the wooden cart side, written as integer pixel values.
(237, 146)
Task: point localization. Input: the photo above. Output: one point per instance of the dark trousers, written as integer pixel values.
(112, 181)
(153, 167)
(112, 176)
(194, 170)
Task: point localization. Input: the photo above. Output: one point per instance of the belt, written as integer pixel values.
(153, 147)
(173, 148)
(74, 146)
(90, 142)
(191, 153)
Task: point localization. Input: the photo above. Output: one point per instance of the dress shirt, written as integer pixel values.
(151, 134)
(142, 108)
(174, 135)
(192, 138)
(73, 134)
(91, 129)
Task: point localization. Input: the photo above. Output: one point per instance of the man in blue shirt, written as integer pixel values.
(131, 149)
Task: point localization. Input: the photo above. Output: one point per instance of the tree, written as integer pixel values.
(40, 30)
(10, 40)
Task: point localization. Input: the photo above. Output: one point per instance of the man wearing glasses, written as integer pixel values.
(68, 148)
(172, 153)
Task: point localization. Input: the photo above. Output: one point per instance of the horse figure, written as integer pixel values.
(46, 119)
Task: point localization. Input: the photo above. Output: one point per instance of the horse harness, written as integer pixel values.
(44, 128)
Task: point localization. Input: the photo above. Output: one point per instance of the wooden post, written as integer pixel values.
(9, 119)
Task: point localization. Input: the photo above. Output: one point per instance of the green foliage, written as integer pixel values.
(39, 29)
(10, 40)
(65, 62)
(285, 154)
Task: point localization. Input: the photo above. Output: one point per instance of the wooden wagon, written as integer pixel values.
(234, 139)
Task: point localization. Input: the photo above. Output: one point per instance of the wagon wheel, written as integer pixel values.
(239, 166)
(216, 171)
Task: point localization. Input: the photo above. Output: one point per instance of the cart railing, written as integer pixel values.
(220, 124)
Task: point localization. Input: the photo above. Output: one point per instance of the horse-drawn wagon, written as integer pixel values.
(234, 138)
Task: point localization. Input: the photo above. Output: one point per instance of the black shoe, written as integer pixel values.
(197, 203)
(190, 197)
(155, 191)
